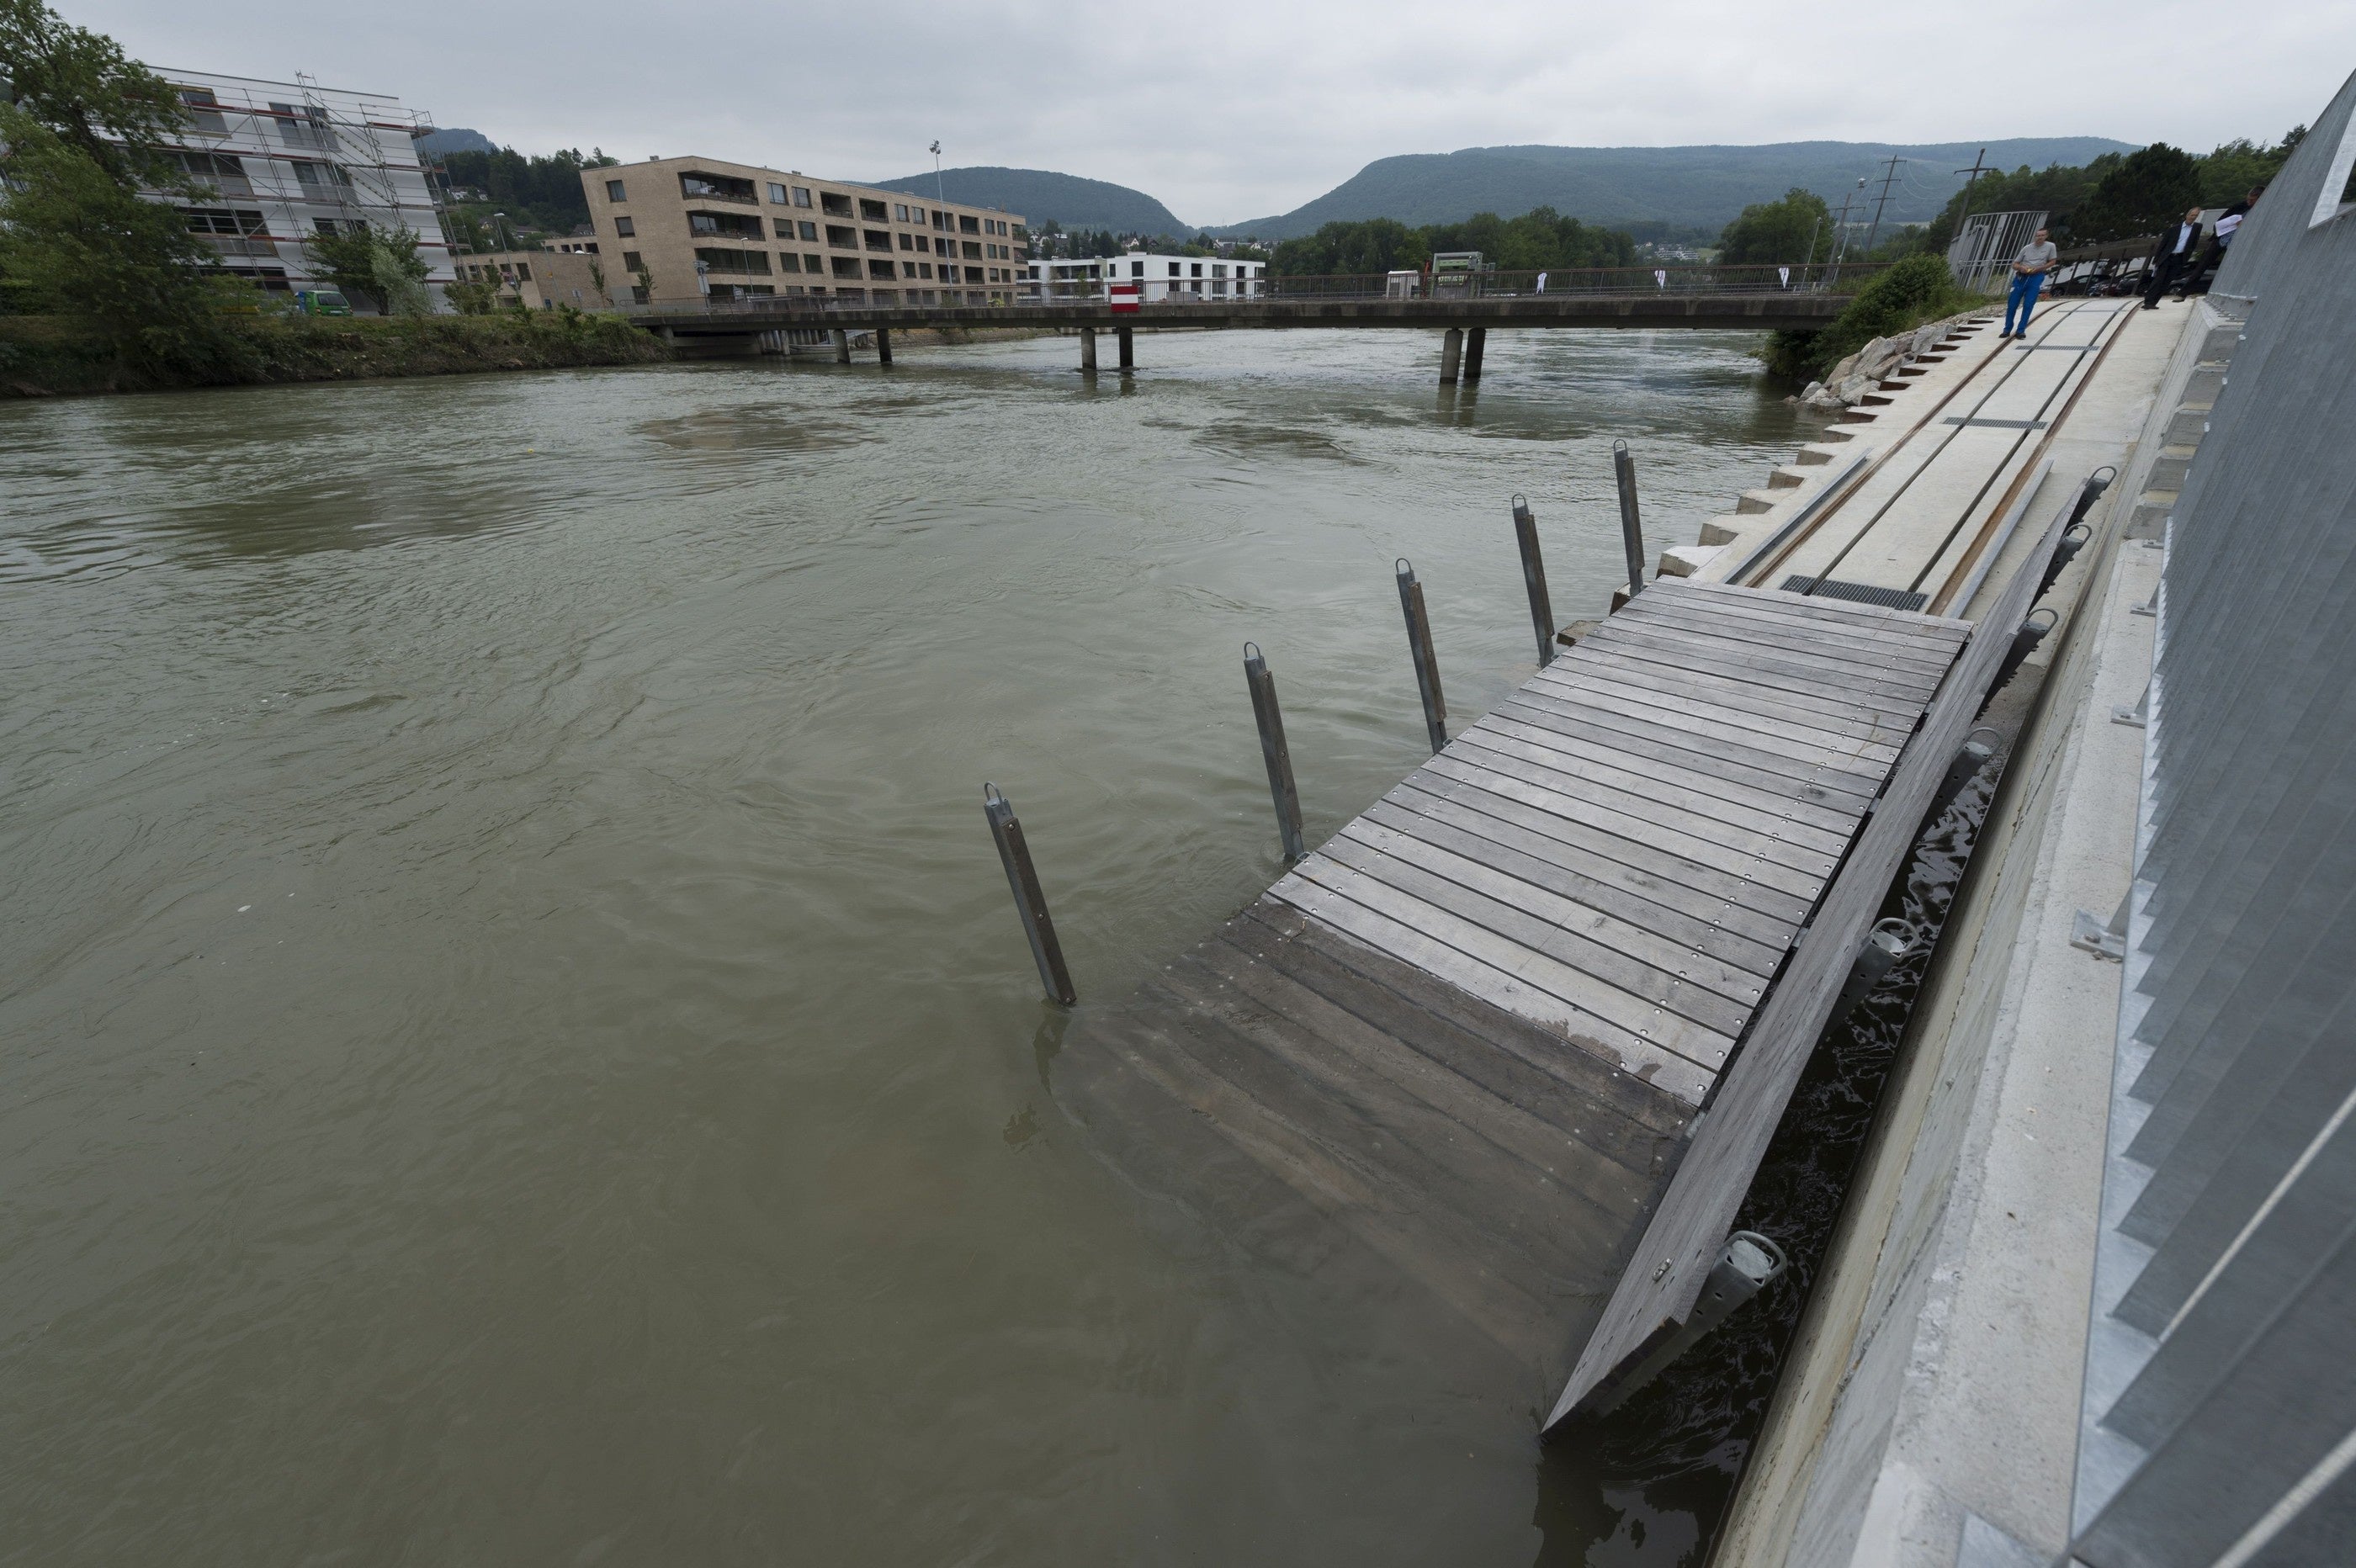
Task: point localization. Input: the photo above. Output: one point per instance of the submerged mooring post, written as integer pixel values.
(1087, 348)
(1743, 1269)
(1274, 751)
(1525, 533)
(1452, 351)
(1476, 339)
(1419, 643)
(1127, 346)
(1029, 901)
(883, 346)
(1631, 524)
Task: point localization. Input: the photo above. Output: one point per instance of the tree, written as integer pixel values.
(375, 264)
(1796, 228)
(74, 242)
(84, 133)
(2228, 173)
(2146, 192)
(78, 85)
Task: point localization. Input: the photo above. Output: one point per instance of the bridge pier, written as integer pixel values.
(1127, 346)
(1452, 353)
(1478, 341)
(883, 345)
(841, 347)
(1088, 349)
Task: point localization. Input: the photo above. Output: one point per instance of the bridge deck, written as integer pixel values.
(1751, 311)
(1473, 1029)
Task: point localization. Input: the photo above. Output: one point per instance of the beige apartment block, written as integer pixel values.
(562, 271)
(678, 230)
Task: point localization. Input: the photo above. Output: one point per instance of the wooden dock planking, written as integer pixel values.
(1472, 1030)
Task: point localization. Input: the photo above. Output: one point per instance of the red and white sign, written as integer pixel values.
(1126, 296)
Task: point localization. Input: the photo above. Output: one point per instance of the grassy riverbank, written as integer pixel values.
(47, 356)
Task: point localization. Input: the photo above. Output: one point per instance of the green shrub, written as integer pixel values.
(1917, 290)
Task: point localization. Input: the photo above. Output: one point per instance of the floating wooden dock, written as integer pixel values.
(1477, 1030)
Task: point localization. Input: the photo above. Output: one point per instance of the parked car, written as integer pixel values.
(322, 301)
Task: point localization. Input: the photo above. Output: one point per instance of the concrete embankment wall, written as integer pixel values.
(1928, 1408)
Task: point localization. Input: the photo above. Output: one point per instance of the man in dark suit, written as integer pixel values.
(2175, 252)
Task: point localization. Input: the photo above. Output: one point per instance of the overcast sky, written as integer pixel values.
(1232, 111)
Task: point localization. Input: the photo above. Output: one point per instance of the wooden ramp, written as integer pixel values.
(1468, 1036)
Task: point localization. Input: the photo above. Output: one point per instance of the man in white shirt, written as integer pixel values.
(2176, 249)
(2028, 270)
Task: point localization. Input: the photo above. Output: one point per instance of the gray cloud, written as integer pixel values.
(1229, 112)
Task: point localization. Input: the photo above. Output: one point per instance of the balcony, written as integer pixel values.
(725, 225)
(877, 238)
(875, 211)
(841, 239)
(701, 186)
(752, 263)
(834, 206)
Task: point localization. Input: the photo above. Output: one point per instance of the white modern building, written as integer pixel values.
(289, 160)
(1164, 278)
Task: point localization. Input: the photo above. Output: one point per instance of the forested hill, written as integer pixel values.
(1040, 194)
(1693, 188)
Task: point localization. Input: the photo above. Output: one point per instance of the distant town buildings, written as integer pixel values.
(688, 229)
(1162, 277)
(291, 161)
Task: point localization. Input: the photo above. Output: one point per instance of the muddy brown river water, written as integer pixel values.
(514, 1044)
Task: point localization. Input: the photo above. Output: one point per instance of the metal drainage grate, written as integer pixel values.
(1861, 593)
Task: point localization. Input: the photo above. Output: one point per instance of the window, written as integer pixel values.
(943, 246)
(973, 275)
(1137, 269)
(633, 262)
(623, 228)
(923, 269)
(841, 238)
(324, 225)
(523, 271)
(813, 263)
(908, 241)
(777, 194)
(846, 266)
(753, 262)
(638, 293)
(879, 269)
(1198, 269)
(899, 212)
(972, 249)
(223, 221)
(831, 202)
(785, 227)
(613, 191)
(874, 211)
(801, 228)
(788, 262)
(317, 177)
(203, 109)
(801, 198)
(968, 225)
(877, 238)
(699, 187)
(915, 215)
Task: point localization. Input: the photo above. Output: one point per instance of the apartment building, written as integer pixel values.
(289, 160)
(680, 229)
(562, 271)
(1161, 278)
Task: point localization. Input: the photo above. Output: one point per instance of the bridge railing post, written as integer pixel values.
(1419, 642)
(1631, 524)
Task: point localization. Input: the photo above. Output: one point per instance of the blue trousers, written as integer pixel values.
(2023, 298)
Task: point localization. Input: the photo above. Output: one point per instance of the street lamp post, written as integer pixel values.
(936, 175)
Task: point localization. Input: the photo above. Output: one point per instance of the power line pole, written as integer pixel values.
(1840, 229)
(1888, 179)
(1978, 169)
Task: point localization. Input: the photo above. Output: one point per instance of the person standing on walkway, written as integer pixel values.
(2171, 256)
(2028, 270)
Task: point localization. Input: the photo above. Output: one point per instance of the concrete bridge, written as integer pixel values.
(1678, 300)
